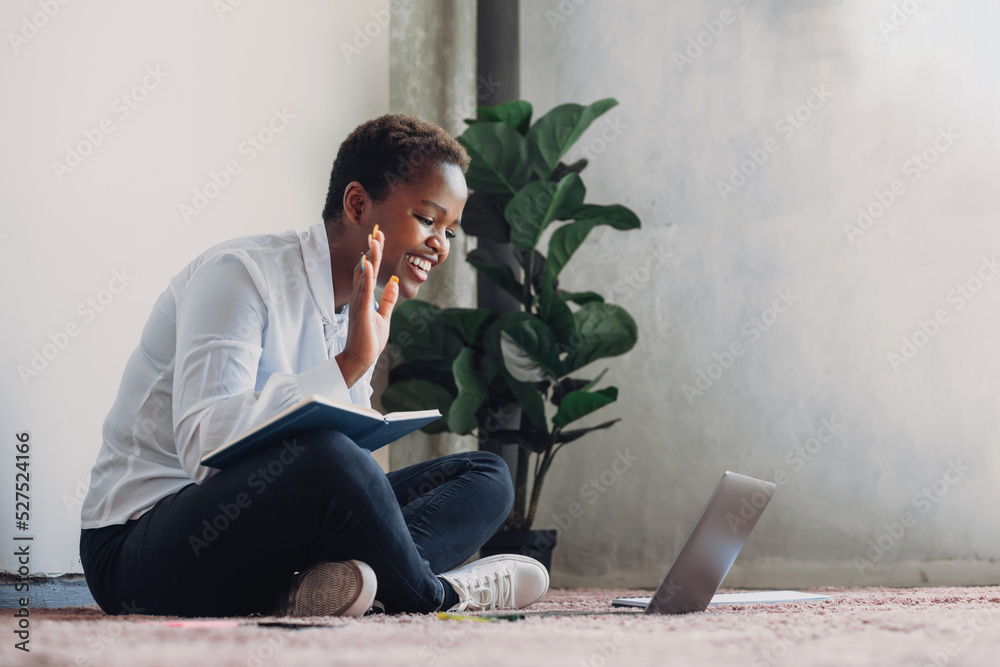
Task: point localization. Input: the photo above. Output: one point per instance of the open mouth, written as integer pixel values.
(419, 266)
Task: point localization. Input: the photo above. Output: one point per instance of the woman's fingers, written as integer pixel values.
(376, 242)
(390, 293)
(366, 277)
(364, 285)
(358, 275)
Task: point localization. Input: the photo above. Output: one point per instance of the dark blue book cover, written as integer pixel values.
(368, 428)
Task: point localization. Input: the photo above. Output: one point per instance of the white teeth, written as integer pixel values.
(418, 262)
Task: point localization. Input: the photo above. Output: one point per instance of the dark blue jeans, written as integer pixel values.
(228, 546)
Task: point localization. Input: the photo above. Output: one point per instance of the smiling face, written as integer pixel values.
(419, 219)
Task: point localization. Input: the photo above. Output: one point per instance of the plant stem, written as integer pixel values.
(536, 487)
(521, 491)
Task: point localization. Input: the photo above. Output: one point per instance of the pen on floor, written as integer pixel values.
(362, 273)
(445, 616)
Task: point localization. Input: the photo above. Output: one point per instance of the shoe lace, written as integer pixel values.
(490, 590)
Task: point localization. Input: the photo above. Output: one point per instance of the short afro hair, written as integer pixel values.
(385, 152)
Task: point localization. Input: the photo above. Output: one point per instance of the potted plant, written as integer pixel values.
(506, 376)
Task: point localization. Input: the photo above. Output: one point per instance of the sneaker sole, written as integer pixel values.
(331, 589)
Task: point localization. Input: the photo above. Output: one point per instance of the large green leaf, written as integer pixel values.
(466, 320)
(559, 317)
(532, 263)
(567, 385)
(563, 244)
(516, 113)
(490, 367)
(552, 134)
(418, 394)
(530, 400)
(519, 363)
(577, 404)
(491, 339)
(471, 393)
(580, 298)
(537, 204)
(569, 237)
(486, 264)
(564, 386)
(530, 351)
(438, 372)
(421, 334)
(602, 330)
(614, 215)
(499, 159)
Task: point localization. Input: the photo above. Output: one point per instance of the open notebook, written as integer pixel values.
(369, 428)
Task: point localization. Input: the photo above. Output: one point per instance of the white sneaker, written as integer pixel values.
(506, 581)
(329, 588)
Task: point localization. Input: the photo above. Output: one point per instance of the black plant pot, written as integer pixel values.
(537, 544)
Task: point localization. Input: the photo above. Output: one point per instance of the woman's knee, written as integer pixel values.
(495, 468)
(319, 457)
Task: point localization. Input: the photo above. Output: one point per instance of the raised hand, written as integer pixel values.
(367, 328)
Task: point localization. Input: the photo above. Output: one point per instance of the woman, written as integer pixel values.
(246, 330)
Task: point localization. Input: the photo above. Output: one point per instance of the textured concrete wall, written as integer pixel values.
(866, 374)
(432, 75)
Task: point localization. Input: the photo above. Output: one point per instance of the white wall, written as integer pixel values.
(63, 239)
(724, 261)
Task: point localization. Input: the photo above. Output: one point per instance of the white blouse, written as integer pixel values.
(245, 331)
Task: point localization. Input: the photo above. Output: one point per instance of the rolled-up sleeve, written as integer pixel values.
(222, 317)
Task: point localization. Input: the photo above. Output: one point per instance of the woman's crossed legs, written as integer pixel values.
(227, 547)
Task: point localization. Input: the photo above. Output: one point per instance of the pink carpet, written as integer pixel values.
(870, 626)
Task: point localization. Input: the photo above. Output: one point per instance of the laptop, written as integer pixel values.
(710, 549)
